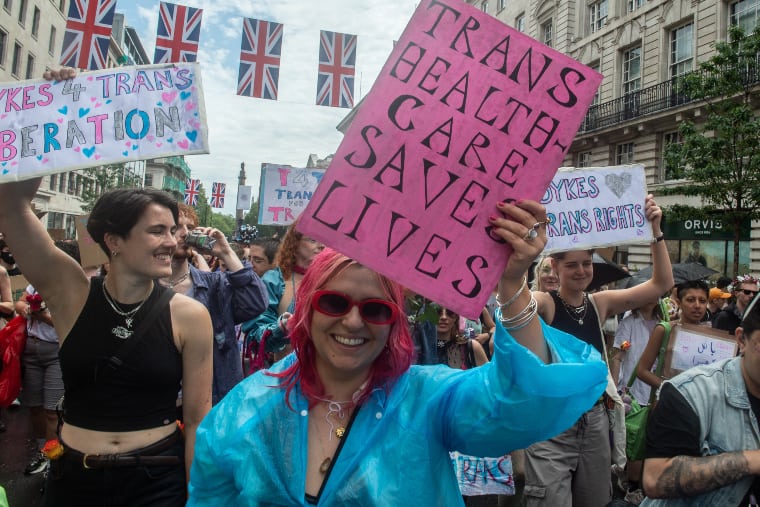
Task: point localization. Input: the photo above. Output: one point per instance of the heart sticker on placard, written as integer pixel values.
(618, 183)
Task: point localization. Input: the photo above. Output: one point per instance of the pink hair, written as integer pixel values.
(392, 362)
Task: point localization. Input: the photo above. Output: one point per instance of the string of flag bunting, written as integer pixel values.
(88, 32)
(193, 190)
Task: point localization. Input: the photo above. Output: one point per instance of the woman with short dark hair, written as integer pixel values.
(123, 363)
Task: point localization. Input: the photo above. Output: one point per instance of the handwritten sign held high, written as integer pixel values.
(596, 207)
(466, 112)
(104, 117)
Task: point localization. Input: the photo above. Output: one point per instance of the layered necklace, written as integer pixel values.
(339, 410)
(129, 316)
(577, 313)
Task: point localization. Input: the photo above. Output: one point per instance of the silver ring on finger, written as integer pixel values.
(532, 234)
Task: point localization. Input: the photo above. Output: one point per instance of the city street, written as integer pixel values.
(16, 449)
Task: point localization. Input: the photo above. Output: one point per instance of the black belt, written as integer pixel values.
(142, 456)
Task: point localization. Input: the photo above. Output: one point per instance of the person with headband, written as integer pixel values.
(347, 420)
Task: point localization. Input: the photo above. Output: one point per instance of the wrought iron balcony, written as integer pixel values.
(654, 99)
(632, 105)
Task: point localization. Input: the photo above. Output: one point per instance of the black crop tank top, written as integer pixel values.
(142, 393)
(589, 331)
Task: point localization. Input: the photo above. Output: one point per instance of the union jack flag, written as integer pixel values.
(260, 53)
(179, 30)
(192, 189)
(88, 33)
(217, 195)
(337, 62)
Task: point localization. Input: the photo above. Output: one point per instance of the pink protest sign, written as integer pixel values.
(465, 113)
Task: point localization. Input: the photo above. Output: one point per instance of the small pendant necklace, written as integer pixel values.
(129, 317)
(577, 313)
(339, 409)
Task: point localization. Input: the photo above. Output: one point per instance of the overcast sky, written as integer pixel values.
(286, 131)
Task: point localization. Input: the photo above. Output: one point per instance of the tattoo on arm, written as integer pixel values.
(689, 476)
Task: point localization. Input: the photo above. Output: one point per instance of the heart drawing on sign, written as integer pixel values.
(618, 183)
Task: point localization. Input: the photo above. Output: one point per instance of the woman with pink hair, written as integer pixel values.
(347, 420)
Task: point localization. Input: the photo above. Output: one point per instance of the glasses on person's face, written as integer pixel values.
(443, 312)
(748, 292)
(337, 304)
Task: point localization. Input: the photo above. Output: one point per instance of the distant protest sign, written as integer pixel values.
(103, 117)
(483, 476)
(596, 207)
(691, 346)
(284, 192)
(465, 113)
(90, 252)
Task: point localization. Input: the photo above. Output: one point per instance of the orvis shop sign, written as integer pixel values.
(709, 228)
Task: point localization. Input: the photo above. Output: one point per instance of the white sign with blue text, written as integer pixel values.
(594, 207)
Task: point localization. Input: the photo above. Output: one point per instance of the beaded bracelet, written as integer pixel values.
(511, 300)
(523, 318)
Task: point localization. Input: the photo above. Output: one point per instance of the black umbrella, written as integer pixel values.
(605, 272)
(682, 272)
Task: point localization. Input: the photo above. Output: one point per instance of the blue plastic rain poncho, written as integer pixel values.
(251, 448)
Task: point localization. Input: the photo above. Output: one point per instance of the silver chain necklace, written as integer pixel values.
(129, 317)
(576, 313)
(172, 283)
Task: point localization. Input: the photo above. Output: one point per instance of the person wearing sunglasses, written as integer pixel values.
(745, 290)
(347, 420)
(455, 349)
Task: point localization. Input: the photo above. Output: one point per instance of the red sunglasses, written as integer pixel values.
(337, 304)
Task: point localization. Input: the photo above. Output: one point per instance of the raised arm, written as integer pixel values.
(48, 269)
(514, 226)
(612, 302)
(686, 476)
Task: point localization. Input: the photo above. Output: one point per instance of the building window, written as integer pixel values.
(30, 66)
(3, 46)
(632, 5)
(624, 154)
(632, 70)
(61, 5)
(669, 171)
(62, 184)
(744, 13)
(16, 63)
(501, 5)
(71, 186)
(681, 50)
(484, 6)
(7, 5)
(584, 159)
(547, 33)
(597, 67)
(148, 179)
(520, 22)
(36, 22)
(22, 12)
(598, 14)
(53, 179)
(51, 42)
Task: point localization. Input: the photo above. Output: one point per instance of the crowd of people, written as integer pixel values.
(286, 373)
